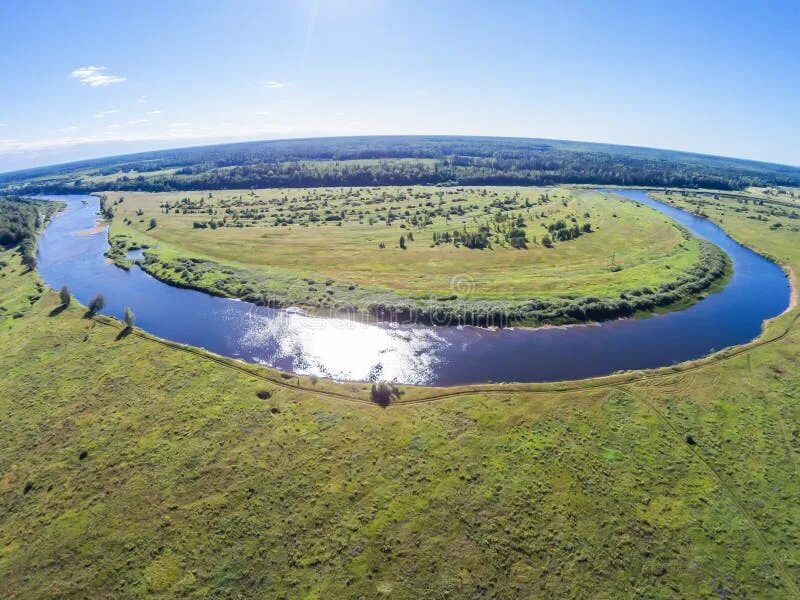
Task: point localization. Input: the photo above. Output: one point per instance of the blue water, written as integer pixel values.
(343, 349)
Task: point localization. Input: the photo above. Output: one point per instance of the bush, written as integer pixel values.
(96, 304)
(65, 296)
(129, 318)
(382, 393)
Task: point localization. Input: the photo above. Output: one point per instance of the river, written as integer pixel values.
(347, 350)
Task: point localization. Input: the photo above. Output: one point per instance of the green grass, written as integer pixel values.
(357, 261)
(193, 487)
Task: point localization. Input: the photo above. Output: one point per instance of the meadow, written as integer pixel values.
(133, 467)
(424, 248)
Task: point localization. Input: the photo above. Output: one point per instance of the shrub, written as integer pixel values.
(129, 318)
(382, 393)
(96, 304)
(65, 296)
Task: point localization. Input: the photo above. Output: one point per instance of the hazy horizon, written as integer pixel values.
(166, 145)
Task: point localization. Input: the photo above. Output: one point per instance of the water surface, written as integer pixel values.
(346, 350)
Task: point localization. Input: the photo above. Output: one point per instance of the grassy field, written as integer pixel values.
(131, 468)
(324, 247)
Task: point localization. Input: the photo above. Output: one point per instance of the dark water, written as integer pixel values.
(346, 350)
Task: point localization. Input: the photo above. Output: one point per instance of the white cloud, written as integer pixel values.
(154, 113)
(104, 113)
(274, 85)
(262, 113)
(142, 100)
(112, 126)
(138, 121)
(68, 129)
(180, 125)
(95, 76)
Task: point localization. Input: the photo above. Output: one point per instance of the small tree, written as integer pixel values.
(382, 393)
(65, 296)
(402, 242)
(29, 261)
(129, 318)
(153, 223)
(96, 304)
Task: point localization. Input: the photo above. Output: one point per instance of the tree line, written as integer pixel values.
(20, 220)
(405, 160)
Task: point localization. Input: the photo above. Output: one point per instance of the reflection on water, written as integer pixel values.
(344, 349)
(136, 254)
(341, 349)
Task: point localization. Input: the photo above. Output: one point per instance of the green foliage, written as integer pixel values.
(129, 318)
(517, 238)
(382, 393)
(65, 296)
(20, 221)
(96, 304)
(402, 160)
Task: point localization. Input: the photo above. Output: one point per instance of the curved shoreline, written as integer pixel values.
(263, 373)
(709, 274)
(650, 339)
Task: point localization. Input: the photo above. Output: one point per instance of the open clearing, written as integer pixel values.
(342, 246)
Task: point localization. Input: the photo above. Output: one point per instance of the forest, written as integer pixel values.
(399, 160)
(20, 220)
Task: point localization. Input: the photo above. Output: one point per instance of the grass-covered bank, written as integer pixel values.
(130, 469)
(484, 256)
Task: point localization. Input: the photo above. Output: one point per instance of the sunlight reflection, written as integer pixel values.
(345, 349)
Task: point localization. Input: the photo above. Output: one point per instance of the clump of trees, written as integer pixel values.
(382, 393)
(517, 238)
(562, 232)
(20, 220)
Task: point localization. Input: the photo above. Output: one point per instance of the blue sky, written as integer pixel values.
(94, 78)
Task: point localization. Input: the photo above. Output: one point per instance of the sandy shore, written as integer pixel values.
(98, 228)
(793, 285)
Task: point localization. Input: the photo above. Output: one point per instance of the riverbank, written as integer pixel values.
(297, 342)
(116, 445)
(654, 266)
